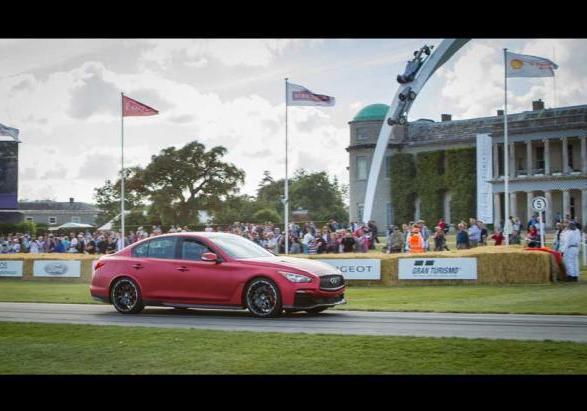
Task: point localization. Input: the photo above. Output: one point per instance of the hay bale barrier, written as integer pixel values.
(495, 265)
(29, 260)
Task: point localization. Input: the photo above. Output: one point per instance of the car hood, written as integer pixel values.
(312, 266)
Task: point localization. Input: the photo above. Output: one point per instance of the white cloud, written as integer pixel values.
(231, 52)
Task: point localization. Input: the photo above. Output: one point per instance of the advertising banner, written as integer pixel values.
(11, 268)
(437, 268)
(484, 174)
(357, 269)
(56, 268)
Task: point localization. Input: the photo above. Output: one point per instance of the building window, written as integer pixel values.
(540, 159)
(570, 156)
(360, 208)
(76, 219)
(31, 219)
(52, 220)
(361, 168)
(362, 133)
(388, 167)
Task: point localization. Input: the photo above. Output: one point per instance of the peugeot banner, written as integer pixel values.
(437, 268)
(56, 268)
(357, 269)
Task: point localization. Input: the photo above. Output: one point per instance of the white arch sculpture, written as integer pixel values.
(399, 108)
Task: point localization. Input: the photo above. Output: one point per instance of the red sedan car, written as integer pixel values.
(213, 270)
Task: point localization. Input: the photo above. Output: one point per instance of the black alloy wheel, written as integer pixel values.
(126, 297)
(263, 298)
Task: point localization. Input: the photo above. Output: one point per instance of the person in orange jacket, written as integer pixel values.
(415, 241)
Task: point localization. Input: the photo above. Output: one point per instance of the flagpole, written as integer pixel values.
(286, 197)
(122, 170)
(505, 149)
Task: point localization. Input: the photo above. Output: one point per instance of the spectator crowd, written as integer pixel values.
(307, 238)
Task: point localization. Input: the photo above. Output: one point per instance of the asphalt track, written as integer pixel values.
(492, 326)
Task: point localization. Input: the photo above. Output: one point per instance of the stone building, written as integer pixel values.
(547, 157)
(54, 213)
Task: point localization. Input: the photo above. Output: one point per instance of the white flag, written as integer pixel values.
(301, 96)
(522, 65)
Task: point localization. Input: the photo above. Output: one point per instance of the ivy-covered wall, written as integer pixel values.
(429, 175)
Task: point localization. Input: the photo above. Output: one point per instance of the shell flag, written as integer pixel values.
(522, 65)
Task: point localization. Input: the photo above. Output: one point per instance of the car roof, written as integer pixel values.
(196, 233)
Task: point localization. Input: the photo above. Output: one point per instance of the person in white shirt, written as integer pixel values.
(570, 243)
(36, 246)
(308, 237)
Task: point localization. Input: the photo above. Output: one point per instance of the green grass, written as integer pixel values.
(561, 298)
(86, 349)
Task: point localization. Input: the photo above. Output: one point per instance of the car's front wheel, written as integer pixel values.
(263, 298)
(126, 296)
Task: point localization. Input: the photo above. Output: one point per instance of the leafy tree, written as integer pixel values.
(315, 192)
(267, 215)
(108, 196)
(235, 208)
(180, 182)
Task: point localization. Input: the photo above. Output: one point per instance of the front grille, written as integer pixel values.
(331, 282)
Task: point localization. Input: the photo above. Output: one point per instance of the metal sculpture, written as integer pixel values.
(416, 74)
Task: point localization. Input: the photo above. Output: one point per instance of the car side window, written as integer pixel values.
(193, 250)
(141, 250)
(162, 247)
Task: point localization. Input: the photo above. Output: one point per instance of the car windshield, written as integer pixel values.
(239, 247)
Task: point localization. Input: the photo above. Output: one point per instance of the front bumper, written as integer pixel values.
(308, 301)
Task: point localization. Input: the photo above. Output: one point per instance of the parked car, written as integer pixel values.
(213, 270)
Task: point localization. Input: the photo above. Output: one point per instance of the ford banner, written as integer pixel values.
(56, 268)
(437, 268)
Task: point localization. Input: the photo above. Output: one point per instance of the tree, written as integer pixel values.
(267, 215)
(108, 196)
(315, 192)
(235, 208)
(181, 182)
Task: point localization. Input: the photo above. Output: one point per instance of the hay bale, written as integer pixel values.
(495, 265)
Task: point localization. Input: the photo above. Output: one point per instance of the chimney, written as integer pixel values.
(70, 200)
(499, 113)
(446, 117)
(538, 105)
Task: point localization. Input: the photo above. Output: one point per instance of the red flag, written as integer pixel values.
(132, 107)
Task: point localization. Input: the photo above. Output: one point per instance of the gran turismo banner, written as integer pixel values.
(57, 268)
(10, 268)
(357, 269)
(437, 268)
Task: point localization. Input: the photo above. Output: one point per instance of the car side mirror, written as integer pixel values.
(211, 257)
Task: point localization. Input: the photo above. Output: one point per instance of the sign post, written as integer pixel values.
(539, 204)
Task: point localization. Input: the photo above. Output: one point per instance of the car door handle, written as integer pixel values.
(137, 266)
(182, 269)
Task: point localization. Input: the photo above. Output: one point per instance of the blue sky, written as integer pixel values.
(64, 97)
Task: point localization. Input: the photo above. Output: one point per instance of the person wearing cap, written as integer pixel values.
(395, 240)
(570, 243)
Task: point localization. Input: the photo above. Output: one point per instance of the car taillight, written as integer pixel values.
(99, 264)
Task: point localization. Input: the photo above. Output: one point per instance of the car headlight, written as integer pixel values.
(295, 278)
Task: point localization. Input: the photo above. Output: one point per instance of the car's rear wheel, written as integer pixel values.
(126, 297)
(263, 298)
(316, 310)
